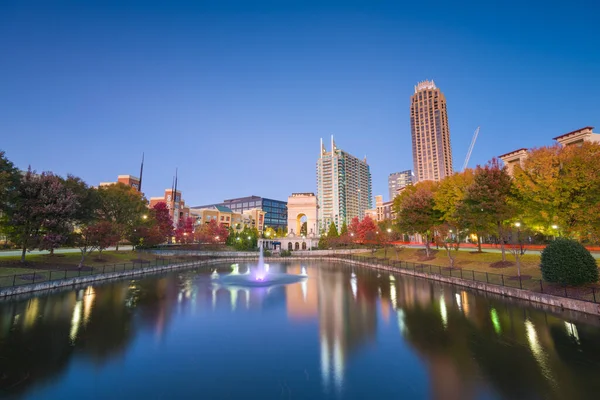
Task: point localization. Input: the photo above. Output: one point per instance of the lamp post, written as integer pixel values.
(555, 227)
(518, 225)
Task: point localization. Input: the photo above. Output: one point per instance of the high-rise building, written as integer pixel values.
(399, 180)
(432, 154)
(343, 187)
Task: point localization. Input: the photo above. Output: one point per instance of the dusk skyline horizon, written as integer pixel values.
(237, 96)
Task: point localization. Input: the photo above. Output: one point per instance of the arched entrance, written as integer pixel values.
(290, 246)
(297, 246)
(303, 245)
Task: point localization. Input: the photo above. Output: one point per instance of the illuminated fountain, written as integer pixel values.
(260, 276)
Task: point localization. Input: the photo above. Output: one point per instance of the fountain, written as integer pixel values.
(259, 277)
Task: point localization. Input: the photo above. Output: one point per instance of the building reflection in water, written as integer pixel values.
(471, 346)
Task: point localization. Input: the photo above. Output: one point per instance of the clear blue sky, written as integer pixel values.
(237, 94)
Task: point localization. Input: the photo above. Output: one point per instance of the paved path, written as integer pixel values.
(12, 253)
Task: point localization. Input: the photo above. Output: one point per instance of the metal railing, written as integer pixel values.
(585, 293)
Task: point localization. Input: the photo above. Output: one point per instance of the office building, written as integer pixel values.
(275, 210)
(343, 187)
(399, 180)
(432, 154)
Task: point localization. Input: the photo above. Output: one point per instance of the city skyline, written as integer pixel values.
(213, 88)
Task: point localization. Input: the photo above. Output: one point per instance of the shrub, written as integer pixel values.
(567, 262)
(267, 253)
(285, 253)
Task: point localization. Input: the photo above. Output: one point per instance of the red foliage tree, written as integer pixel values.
(212, 233)
(366, 229)
(354, 228)
(185, 231)
(163, 220)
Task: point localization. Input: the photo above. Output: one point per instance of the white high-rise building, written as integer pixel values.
(343, 187)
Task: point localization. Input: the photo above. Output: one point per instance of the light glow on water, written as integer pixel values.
(443, 311)
(495, 321)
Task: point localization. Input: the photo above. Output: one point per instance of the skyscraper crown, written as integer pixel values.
(424, 85)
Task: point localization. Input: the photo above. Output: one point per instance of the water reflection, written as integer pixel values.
(344, 324)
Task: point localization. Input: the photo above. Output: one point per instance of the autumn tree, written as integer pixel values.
(449, 198)
(42, 204)
(164, 223)
(416, 212)
(489, 199)
(366, 230)
(9, 183)
(95, 236)
(184, 233)
(353, 228)
(122, 205)
(212, 232)
(560, 186)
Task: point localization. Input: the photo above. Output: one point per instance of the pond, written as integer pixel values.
(342, 333)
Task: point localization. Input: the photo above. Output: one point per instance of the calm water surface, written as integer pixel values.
(342, 334)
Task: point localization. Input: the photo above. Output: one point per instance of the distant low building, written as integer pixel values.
(128, 180)
(253, 218)
(275, 211)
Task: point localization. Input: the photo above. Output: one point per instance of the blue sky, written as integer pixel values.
(236, 95)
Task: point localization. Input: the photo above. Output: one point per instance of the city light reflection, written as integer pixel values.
(443, 311)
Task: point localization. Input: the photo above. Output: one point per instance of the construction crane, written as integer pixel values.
(471, 148)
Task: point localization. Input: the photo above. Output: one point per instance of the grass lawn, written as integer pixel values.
(45, 262)
(480, 262)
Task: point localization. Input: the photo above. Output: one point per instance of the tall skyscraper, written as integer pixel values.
(343, 187)
(399, 180)
(432, 154)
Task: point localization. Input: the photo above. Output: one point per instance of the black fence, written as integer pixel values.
(61, 274)
(585, 293)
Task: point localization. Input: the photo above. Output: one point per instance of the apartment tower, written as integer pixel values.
(343, 187)
(432, 154)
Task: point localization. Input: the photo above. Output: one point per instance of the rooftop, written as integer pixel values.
(587, 129)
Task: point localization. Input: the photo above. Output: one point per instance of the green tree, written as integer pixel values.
(332, 233)
(416, 212)
(123, 206)
(344, 229)
(489, 199)
(9, 182)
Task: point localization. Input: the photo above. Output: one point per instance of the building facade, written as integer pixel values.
(177, 208)
(432, 153)
(275, 211)
(399, 180)
(252, 218)
(383, 211)
(128, 180)
(343, 187)
(573, 138)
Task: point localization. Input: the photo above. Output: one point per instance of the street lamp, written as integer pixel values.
(389, 230)
(144, 216)
(518, 224)
(554, 226)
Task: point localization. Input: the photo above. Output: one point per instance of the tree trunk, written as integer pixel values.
(501, 237)
(478, 242)
(117, 249)
(427, 245)
(82, 259)
(23, 253)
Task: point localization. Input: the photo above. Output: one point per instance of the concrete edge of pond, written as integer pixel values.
(560, 303)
